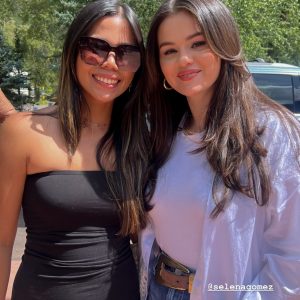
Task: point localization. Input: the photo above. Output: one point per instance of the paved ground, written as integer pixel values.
(17, 254)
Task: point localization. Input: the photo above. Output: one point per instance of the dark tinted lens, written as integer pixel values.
(128, 58)
(90, 57)
(99, 47)
(93, 51)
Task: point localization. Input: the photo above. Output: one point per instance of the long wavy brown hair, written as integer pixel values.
(231, 137)
(127, 133)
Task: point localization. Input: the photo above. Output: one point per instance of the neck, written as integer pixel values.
(198, 106)
(85, 123)
(198, 115)
(97, 116)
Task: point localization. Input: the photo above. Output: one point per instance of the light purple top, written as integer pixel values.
(179, 201)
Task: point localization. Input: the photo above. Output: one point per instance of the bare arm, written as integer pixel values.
(6, 107)
(12, 178)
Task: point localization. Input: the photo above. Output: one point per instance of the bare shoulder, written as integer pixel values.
(51, 110)
(25, 126)
(13, 132)
(15, 122)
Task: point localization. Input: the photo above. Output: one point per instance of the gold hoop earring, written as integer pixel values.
(168, 88)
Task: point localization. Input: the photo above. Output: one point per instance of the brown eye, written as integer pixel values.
(198, 44)
(169, 51)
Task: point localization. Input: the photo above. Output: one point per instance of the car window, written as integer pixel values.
(277, 87)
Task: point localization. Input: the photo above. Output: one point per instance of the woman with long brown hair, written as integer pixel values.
(224, 218)
(79, 170)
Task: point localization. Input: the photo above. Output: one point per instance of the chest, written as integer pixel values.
(68, 199)
(48, 151)
(184, 183)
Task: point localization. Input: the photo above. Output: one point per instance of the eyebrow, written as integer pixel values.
(187, 38)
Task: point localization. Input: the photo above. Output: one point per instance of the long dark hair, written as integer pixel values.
(231, 135)
(127, 133)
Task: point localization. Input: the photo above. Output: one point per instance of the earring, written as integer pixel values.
(168, 88)
(129, 88)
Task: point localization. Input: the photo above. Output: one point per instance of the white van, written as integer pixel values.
(281, 82)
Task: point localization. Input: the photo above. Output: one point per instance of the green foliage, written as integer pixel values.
(46, 24)
(145, 11)
(12, 78)
(270, 29)
(42, 25)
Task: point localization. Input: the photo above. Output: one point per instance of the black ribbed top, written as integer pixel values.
(72, 226)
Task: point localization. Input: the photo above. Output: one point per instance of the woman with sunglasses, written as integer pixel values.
(225, 211)
(79, 169)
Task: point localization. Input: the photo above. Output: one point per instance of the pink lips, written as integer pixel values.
(188, 74)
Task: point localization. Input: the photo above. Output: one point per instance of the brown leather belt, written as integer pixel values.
(173, 274)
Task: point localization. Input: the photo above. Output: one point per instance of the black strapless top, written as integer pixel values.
(73, 250)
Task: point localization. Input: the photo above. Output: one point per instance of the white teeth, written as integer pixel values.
(106, 80)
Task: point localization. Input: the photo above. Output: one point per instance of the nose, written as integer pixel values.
(110, 62)
(185, 58)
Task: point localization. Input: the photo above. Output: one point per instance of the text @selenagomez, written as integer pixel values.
(239, 287)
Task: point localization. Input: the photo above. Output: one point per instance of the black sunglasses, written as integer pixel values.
(94, 51)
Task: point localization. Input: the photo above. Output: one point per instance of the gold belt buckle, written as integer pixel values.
(165, 259)
(174, 263)
(191, 280)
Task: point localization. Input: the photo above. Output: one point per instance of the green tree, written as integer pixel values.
(12, 78)
(270, 29)
(43, 25)
(145, 10)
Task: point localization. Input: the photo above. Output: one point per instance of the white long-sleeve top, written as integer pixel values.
(247, 248)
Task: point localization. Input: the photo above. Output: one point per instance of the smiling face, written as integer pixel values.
(187, 62)
(103, 83)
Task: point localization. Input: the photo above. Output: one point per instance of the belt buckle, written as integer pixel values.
(173, 263)
(165, 283)
(191, 280)
(163, 259)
